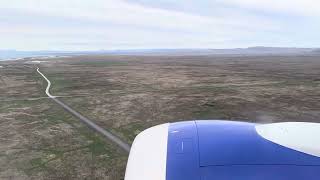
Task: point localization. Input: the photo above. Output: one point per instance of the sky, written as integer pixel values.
(157, 24)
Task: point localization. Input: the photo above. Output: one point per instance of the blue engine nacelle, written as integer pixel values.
(223, 150)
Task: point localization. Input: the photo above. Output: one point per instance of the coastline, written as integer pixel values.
(34, 58)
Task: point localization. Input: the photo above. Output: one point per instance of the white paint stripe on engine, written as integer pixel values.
(148, 155)
(300, 136)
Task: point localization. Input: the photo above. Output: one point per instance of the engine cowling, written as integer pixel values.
(208, 150)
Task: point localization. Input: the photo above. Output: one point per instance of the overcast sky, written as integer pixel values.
(134, 24)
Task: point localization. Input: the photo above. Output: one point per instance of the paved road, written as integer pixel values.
(85, 120)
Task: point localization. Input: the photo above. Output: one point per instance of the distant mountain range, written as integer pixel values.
(236, 51)
(316, 51)
(260, 50)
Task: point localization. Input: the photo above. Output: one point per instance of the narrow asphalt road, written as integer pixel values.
(123, 145)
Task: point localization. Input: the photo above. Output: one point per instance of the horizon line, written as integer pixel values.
(137, 49)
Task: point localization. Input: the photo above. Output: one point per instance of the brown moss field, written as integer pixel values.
(128, 94)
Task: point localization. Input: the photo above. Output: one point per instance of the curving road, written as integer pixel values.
(123, 145)
(49, 84)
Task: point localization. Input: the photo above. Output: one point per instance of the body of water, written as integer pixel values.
(16, 55)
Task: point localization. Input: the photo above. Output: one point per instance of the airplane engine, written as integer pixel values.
(226, 150)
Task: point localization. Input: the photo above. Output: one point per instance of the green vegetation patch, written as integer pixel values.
(101, 63)
(131, 130)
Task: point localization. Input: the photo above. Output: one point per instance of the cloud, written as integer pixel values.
(116, 12)
(297, 7)
(111, 24)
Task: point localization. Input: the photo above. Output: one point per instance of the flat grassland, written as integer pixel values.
(128, 94)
